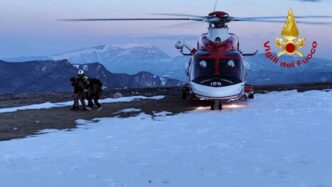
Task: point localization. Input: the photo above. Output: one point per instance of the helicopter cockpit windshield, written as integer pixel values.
(217, 72)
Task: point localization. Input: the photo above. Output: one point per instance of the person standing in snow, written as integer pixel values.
(80, 91)
(94, 93)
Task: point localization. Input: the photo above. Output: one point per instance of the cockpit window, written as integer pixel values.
(227, 70)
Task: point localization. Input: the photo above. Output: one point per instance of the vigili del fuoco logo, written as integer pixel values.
(290, 44)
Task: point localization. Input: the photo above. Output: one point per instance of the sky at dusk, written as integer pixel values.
(30, 27)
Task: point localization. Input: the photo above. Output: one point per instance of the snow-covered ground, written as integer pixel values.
(69, 103)
(278, 139)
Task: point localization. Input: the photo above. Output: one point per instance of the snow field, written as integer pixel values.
(277, 139)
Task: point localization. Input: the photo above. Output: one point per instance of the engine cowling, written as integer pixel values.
(231, 44)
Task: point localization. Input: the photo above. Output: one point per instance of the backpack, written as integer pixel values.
(96, 82)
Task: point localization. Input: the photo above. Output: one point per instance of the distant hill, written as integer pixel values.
(264, 72)
(53, 76)
(28, 58)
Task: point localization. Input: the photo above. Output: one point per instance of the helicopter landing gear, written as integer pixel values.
(216, 105)
(244, 97)
(249, 90)
(185, 92)
(251, 96)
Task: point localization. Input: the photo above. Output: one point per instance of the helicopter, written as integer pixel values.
(216, 71)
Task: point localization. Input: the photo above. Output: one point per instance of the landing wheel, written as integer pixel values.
(216, 105)
(244, 97)
(249, 90)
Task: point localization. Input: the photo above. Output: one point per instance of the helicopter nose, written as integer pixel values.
(217, 92)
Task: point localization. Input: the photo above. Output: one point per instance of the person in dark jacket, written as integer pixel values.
(94, 92)
(80, 91)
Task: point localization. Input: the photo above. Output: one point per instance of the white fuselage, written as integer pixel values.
(234, 91)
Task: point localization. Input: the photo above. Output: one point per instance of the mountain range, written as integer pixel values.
(263, 71)
(123, 59)
(53, 76)
(134, 59)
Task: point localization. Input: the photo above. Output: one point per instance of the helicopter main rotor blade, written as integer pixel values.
(212, 19)
(278, 17)
(183, 25)
(135, 19)
(299, 22)
(175, 14)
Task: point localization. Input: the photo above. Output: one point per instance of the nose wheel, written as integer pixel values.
(216, 105)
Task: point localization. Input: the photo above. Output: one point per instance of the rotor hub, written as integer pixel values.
(219, 14)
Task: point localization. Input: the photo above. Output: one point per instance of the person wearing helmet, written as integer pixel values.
(80, 73)
(80, 90)
(84, 79)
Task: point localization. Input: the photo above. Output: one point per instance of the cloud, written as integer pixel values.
(170, 37)
(314, 1)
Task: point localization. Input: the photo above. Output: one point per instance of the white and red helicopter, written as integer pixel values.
(216, 70)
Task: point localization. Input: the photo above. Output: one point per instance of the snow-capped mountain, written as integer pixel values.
(116, 59)
(129, 59)
(53, 76)
(133, 59)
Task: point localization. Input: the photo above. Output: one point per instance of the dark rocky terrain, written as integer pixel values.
(53, 76)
